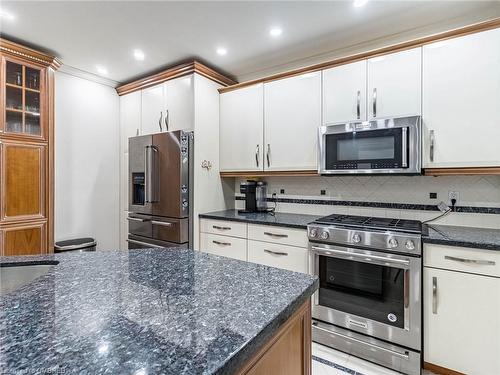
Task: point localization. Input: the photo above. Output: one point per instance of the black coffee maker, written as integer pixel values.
(255, 196)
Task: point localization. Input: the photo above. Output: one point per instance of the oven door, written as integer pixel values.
(377, 294)
(382, 146)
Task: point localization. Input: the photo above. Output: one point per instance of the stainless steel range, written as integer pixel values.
(369, 300)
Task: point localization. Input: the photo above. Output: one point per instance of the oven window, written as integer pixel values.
(368, 290)
(365, 148)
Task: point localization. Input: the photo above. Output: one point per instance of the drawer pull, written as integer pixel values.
(473, 261)
(221, 243)
(276, 235)
(162, 223)
(220, 228)
(276, 252)
(137, 219)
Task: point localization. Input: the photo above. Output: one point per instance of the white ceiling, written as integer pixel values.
(85, 34)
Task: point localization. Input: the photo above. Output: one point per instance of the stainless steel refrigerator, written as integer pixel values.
(160, 190)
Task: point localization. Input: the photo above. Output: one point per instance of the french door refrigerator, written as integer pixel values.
(160, 190)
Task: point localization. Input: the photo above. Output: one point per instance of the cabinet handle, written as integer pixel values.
(162, 223)
(473, 261)
(220, 228)
(276, 252)
(159, 120)
(375, 102)
(221, 243)
(358, 105)
(434, 295)
(257, 156)
(267, 155)
(276, 235)
(431, 145)
(167, 120)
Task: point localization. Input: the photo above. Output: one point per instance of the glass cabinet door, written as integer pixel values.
(22, 99)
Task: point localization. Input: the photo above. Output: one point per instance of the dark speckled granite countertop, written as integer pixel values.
(481, 238)
(282, 219)
(153, 311)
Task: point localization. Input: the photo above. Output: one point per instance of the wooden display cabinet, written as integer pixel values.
(26, 150)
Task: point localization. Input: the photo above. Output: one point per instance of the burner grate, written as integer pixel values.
(403, 225)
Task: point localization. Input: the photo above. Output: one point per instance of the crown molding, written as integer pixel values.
(68, 69)
(175, 72)
(17, 50)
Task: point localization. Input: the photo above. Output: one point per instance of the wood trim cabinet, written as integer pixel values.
(26, 150)
(288, 352)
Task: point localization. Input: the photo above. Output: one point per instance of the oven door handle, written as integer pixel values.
(401, 355)
(365, 258)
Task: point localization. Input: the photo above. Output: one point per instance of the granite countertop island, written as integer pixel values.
(148, 311)
(282, 219)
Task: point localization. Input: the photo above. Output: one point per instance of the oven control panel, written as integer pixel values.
(382, 240)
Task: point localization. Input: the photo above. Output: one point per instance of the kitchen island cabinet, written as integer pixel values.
(157, 311)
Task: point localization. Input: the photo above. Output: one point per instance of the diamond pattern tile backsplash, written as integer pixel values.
(477, 191)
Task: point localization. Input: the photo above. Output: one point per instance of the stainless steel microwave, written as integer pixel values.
(383, 146)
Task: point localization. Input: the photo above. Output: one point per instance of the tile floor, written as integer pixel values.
(327, 361)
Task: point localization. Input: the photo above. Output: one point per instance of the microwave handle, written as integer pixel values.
(404, 147)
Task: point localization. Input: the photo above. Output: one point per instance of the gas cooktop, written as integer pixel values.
(365, 222)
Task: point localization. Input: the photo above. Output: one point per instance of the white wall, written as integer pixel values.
(86, 161)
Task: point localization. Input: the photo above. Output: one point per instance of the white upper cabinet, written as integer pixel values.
(130, 118)
(153, 109)
(241, 129)
(461, 96)
(179, 103)
(292, 115)
(395, 84)
(344, 93)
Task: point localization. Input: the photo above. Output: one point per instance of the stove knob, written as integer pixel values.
(356, 238)
(393, 243)
(313, 233)
(410, 245)
(325, 235)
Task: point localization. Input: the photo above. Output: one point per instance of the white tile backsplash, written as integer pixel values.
(475, 191)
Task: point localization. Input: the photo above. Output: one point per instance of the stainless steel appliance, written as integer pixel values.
(384, 146)
(160, 190)
(369, 300)
(255, 196)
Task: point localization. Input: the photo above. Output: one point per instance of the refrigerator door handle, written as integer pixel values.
(153, 174)
(147, 195)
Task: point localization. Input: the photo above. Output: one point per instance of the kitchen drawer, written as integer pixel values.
(281, 235)
(479, 261)
(173, 230)
(230, 247)
(276, 255)
(226, 228)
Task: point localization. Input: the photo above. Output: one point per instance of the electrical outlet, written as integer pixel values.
(454, 195)
(282, 191)
(433, 195)
(322, 192)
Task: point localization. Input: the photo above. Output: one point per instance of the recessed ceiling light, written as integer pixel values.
(359, 3)
(101, 70)
(221, 51)
(275, 31)
(6, 15)
(139, 55)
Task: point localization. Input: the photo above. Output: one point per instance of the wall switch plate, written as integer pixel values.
(453, 195)
(322, 192)
(433, 195)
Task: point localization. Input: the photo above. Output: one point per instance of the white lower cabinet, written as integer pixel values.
(276, 255)
(272, 246)
(230, 247)
(461, 313)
